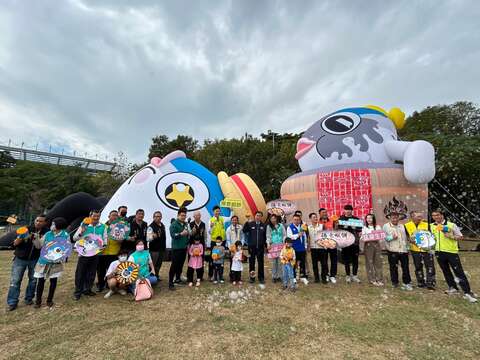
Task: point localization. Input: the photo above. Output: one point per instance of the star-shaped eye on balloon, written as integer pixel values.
(179, 194)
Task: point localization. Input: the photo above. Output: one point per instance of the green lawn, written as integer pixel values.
(318, 321)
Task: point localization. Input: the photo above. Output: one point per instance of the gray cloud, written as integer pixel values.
(103, 76)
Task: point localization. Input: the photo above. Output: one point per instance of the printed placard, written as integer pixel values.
(231, 203)
(274, 251)
(375, 235)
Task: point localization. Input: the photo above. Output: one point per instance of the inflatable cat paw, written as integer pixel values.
(353, 156)
(168, 183)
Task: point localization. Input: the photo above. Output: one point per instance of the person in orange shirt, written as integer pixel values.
(328, 224)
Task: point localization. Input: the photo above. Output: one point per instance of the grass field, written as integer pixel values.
(317, 322)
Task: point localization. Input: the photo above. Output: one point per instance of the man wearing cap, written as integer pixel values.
(420, 256)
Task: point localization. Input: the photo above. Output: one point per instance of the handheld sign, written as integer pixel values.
(274, 251)
(357, 223)
(126, 272)
(231, 203)
(90, 245)
(119, 230)
(375, 235)
(342, 238)
(281, 207)
(424, 240)
(57, 250)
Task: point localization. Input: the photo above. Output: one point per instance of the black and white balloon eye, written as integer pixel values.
(341, 123)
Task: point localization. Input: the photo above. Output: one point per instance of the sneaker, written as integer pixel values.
(407, 287)
(304, 280)
(198, 283)
(76, 297)
(451, 291)
(171, 287)
(348, 279)
(234, 283)
(470, 298)
(240, 283)
(327, 279)
(333, 279)
(108, 294)
(89, 293)
(395, 286)
(50, 304)
(431, 288)
(11, 307)
(356, 279)
(380, 283)
(28, 302)
(215, 281)
(374, 283)
(37, 305)
(190, 284)
(122, 292)
(421, 286)
(222, 281)
(295, 281)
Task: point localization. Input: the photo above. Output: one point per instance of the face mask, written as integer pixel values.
(219, 244)
(123, 258)
(123, 214)
(140, 248)
(52, 227)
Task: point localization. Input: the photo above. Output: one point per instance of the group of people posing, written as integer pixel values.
(218, 247)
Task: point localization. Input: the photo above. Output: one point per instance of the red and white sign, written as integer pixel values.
(274, 251)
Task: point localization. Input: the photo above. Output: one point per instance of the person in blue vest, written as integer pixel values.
(87, 266)
(298, 233)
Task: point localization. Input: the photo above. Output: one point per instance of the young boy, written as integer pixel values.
(218, 256)
(287, 257)
(112, 282)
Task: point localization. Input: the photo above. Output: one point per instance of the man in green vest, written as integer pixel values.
(447, 235)
(420, 256)
(87, 265)
(179, 232)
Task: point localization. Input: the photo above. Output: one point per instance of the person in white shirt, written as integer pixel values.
(110, 276)
(233, 234)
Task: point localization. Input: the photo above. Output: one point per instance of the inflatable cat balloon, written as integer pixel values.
(172, 182)
(353, 156)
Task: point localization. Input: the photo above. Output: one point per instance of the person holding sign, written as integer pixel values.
(275, 237)
(351, 253)
(421, 257)
(328, 224)
(46, 267)
(397, 250)
(447, 236)
(298, 233)
(26, 256)
(315, 249)
(372, 251)
(87, 265)
(217, 229)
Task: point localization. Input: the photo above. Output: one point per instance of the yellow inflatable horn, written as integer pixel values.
(395, 114)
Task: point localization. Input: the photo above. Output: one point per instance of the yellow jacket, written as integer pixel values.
(287, 255)
(412, 229)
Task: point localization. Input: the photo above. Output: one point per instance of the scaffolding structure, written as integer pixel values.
(92, 165)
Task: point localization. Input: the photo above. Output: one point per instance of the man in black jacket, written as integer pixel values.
(26, 256)
(138, 231)
(351, 253)
(257, 238)
(156, 238)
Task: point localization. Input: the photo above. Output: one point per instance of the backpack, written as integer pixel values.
(143, 290)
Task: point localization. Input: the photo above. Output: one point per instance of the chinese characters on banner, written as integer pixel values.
(338, 188)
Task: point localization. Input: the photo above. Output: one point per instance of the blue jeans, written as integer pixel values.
(18, 269)
(153, 280)
(287, 277)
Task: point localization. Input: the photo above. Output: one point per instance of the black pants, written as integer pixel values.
(104, 262)
(427, 259)
(300, 263)
(51, 290)
(178, 259)
(191, 271)
(393, 260)
(333, 254)
(256, 254)
(85, 274)
(450, 260)
(209, 261)
(217, 272)
(157, 259)
(236, 276)
(322, 256)
(350, 257)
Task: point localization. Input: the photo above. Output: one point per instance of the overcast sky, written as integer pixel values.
(105, 76)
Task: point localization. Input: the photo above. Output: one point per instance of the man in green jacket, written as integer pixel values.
(447, 235)
(179, 232)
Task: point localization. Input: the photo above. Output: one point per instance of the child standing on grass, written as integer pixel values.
(195, 263)
(49, 269)
(287, 257)
(237, 265)
(218, 256)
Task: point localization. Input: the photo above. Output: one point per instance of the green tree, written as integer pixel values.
(162, 145)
